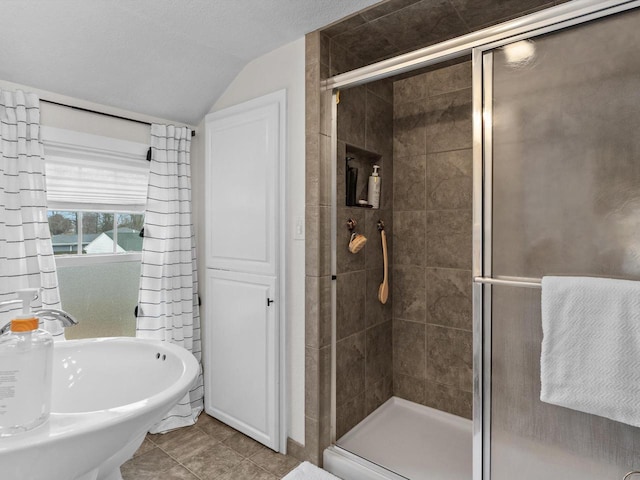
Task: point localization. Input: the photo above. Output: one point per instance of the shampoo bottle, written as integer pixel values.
(374, 188)
(26, 356)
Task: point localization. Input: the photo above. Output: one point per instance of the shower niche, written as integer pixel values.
(358, 165)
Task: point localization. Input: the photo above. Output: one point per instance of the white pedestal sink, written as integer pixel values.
(107, 392)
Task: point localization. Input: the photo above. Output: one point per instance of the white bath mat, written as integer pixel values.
(308, 471)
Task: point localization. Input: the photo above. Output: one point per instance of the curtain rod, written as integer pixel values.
(193, 133)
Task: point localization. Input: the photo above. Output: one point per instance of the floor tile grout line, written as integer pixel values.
(175, 460)
(264, 469)
(159, 448)
(191, 471)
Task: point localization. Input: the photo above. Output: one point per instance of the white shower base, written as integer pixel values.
(414, 441)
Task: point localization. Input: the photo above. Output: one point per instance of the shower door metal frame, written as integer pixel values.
(483, 278)
(479, 44)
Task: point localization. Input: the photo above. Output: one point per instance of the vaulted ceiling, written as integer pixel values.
(167, 58)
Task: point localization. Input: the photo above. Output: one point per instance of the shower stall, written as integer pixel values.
(505, 155)
(404, 367)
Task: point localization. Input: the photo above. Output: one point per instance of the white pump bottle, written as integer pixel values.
(26, 356)
(374, 188)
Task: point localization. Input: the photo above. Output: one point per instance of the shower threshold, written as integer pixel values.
(404, 440)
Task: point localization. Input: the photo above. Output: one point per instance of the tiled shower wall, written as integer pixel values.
(363, 349)
(432, 191)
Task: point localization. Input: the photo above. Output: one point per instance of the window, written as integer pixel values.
(96, 194)
(91, 233)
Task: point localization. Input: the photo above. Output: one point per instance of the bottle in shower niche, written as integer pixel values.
(374, 188)
(26, 356)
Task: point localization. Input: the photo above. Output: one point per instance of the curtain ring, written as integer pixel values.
(635, 472)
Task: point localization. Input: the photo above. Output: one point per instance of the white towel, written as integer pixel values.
(308, 471)
(591, 346)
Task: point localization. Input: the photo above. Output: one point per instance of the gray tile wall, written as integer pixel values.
(431, 288)
(399, 26)
(317, 257)
(364, 345)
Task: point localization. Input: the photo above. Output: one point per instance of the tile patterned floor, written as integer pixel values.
(210, 450)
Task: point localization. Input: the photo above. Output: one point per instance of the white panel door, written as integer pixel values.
(244, 330)
(241, 374)
(243, 152)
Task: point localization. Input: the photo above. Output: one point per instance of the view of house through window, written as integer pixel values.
(78, 232)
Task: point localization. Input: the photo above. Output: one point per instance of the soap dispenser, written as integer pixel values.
(26, 356)
(374, 188)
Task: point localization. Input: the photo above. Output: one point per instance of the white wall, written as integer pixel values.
(281, 68)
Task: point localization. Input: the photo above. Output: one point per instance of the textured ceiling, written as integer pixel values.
(166, 58)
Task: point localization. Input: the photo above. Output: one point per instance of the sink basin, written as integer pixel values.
(107, 393)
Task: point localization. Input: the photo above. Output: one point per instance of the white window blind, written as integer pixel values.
(92, 172)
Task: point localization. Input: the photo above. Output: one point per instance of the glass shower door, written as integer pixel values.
(564, 153)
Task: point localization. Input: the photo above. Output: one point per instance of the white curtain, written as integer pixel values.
(26, 253)
(168, 298)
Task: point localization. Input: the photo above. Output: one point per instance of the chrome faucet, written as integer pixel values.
(47, 314)
(65, 318)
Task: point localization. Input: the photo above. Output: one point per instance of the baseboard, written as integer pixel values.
(299, 451)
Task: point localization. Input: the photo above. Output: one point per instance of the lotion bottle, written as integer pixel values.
(26, 356)
(374, 188)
